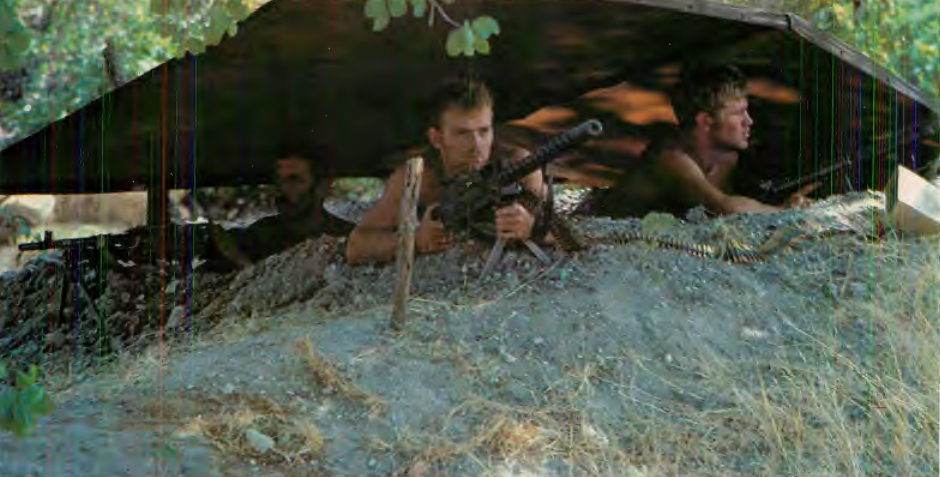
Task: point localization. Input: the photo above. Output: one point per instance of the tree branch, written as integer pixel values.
(435, 5)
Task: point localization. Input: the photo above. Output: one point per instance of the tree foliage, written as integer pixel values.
(23, 403)
(14, 40)
(467, 38)
(65, 60)
(900, 35)
(197, 25)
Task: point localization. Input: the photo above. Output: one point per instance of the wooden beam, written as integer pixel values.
(407, 224)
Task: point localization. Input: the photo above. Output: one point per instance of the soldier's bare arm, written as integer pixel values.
(695, 185)
(374, 239)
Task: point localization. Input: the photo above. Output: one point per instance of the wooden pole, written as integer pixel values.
(407, 224)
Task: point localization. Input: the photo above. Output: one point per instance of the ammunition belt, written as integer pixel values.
(732, 251)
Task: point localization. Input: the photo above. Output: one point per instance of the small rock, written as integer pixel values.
(858, 289)
(228, 388)
(176, 317)
(171, 288)
(755, 333)
(258, 441)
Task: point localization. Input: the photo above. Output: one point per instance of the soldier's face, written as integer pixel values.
(294, 178)
(730, 128)
(464, 138)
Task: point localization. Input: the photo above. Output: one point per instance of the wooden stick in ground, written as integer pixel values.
(407, 224)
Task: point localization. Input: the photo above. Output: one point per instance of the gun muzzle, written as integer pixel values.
(45, 244)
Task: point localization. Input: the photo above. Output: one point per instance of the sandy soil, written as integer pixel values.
(618, 360)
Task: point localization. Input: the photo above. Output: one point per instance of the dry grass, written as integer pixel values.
(827, 406)
(327, 376)
(224, 423)
(864, 413)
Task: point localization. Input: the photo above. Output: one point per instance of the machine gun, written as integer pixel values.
(776, 190)
(468, 200)
(140, 244)
(112, 250)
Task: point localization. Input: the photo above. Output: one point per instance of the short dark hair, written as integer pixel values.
(705, 87)
(465, 93)
(301, 148)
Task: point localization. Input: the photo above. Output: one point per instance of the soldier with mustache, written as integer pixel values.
(300, 216)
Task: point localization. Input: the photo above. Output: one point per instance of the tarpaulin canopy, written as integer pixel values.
(313, 76)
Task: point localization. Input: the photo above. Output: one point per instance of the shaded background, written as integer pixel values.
(313, 76)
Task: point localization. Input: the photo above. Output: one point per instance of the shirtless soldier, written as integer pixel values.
(461, 135)
(693, 167)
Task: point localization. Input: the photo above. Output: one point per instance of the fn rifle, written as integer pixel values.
(776, 190)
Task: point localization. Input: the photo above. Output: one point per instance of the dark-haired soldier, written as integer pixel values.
(300, 216)
(693, 166)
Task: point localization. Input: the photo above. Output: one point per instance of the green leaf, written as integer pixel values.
(397, 8)
(14, 38)
(23, 380)
(31, 396)
(377, 10)
(454, 47)
(3, 370)
(485, 26)
(467, 37)
(23, 420)
(219, 21)
(237, 10)
(420, 7)
(44, 406)
(481, 45)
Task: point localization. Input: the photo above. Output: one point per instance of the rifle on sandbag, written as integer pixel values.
(771, 190)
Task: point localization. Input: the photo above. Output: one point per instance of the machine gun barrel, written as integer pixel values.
(550, 150)
(47, 243)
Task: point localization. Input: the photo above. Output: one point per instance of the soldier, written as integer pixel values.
(694, 166)
(461, 135)
(300, 216)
